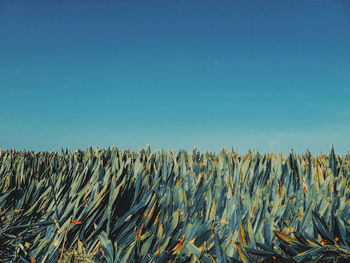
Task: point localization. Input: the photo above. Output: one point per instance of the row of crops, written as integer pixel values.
(120, 206)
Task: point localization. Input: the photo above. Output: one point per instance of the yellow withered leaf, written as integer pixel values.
(185, 198)
(192, 241)
(156, 220)
(57, 225)
(150, 212)
(213, 210)
(242, 236)
(250, 230)
(80, 247)
(200, 175)
(160, 231)
(252, 212)
(211, 258)
(203, 245)
(178, 181)
(286, 238)
(31, 230)
(241, 255)
(14, 212)
(223, 221)
(179, 245)
(98, 245)
(44, 203)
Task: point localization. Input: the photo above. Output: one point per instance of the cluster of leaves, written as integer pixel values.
(122, 206)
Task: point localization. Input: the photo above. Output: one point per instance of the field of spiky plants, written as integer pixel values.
(111, 205)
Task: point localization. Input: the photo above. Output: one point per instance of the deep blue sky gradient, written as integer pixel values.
(264, 75)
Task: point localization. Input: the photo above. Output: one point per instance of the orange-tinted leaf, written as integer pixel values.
(138, 236)
(252, 212)
(156, 220)
(202, 246)
(289, 240)
(178, 181)
(76, 222)
(305, 188)
(300, 215)
(210, 245)
(179, 245)
(242, 236)
(223, 221)
(243, 258)
(158, 250)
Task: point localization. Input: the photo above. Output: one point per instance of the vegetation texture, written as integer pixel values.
(111, 205)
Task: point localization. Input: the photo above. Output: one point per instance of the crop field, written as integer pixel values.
(112, 205)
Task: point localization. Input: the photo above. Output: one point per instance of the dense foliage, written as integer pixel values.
(122, 206)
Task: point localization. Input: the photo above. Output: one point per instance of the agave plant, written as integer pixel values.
(122, 206)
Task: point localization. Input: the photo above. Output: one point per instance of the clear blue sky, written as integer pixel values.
(268, 75)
